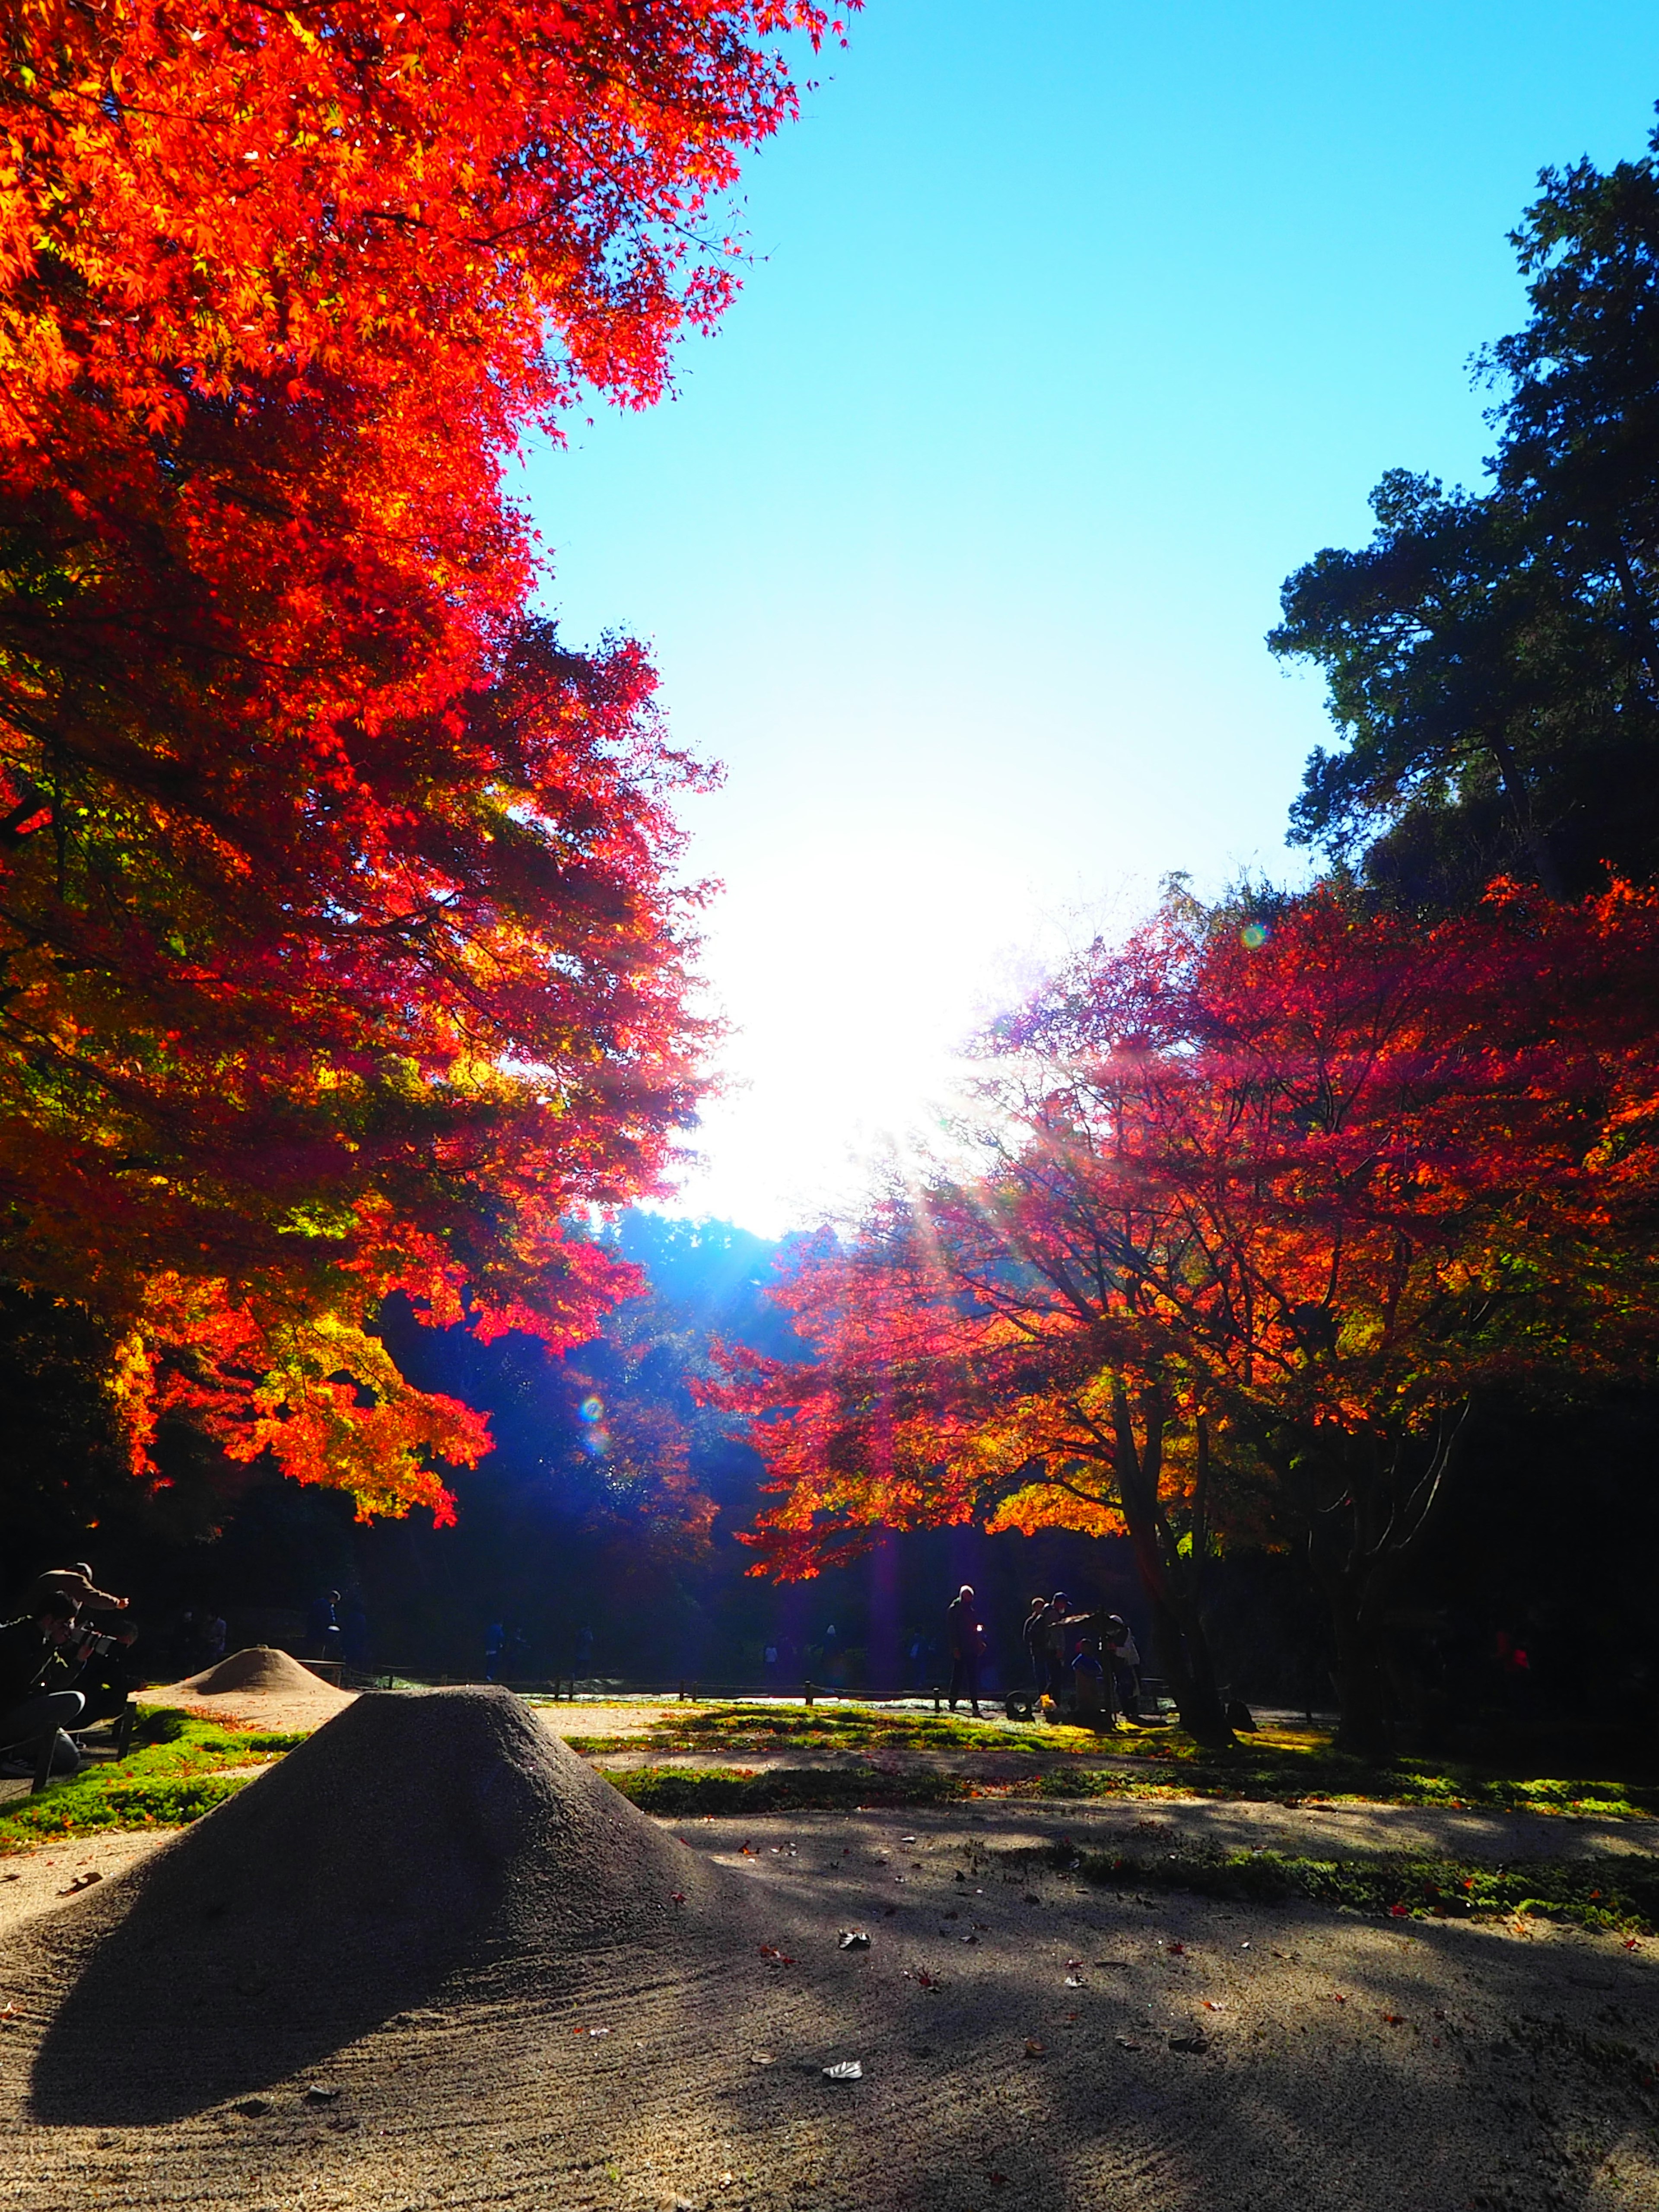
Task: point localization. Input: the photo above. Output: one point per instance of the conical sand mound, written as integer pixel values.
(259, 1687)
(416, 1833)
(258, 1667)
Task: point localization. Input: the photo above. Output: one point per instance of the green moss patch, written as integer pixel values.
(678, 1792)
(173, 1774)
(1603, 1892)
(751, 1728)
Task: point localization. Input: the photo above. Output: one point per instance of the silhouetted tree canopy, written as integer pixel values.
(1492, 656)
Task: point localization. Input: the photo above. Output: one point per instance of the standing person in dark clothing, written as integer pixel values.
(355, 1647)
(211, 1632)
(1034, 1637)
(1125, 1659)
(967, 1643)
(35, 1675)
(324, 1624)
(1056, 1638)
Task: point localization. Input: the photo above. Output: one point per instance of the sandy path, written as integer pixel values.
(31, 1882)
(1348, 2063)
(604, 1719)
(286, 1711)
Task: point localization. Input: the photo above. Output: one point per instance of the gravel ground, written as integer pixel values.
(1344, 2063)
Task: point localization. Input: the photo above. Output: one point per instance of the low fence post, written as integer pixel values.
(939, 1697)
(807, 1686)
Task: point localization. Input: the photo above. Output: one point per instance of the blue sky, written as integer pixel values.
(1070, 332)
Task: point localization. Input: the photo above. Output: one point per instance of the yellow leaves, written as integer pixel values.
(1047, 1506)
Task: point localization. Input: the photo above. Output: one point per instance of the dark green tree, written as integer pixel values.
(1491, 657)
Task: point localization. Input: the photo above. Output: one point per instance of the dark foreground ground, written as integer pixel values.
(1026, 2037)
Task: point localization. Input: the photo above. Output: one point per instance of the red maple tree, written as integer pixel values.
(342, 950)
(1264, 1212)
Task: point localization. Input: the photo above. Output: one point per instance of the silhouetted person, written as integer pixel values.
(74, 1584)
(1092, 1696)
(323, 1625)
(1056, 1638)
(36, 1672)
(967, 1644)
(1123, 1655)
(108, 1678)
(1034, 1637)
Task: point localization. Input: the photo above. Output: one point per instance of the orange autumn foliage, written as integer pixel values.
(342, 950)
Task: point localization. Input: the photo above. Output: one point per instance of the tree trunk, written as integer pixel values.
(1179, 1642)
(1388, 1511)
(1366, 1724)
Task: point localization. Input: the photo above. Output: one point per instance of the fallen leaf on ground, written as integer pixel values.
(1127, 2042)
(845, 2069)
(1033, 2049)
(1072, 1982)
(854, 1939)
(1194, 2043)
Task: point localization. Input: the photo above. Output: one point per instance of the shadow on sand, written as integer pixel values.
(339, 1889)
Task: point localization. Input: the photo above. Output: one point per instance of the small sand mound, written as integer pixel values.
(259, 1686)
(416, 1832)
(259, 1668)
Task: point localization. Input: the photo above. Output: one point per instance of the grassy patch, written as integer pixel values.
(1601, 1891)
(173, 1774)
(681, 1792)
(736, 1729)
(1280, 1766)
